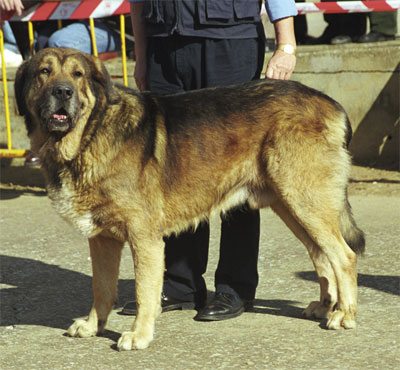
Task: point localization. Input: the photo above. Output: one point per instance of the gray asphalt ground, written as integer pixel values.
(46, 283)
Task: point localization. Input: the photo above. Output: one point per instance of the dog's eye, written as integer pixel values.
(45, 71)
(78, 74)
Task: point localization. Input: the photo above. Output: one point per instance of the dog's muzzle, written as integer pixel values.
(59, 115)
(59, 122)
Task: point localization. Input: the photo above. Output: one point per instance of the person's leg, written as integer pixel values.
(20, 31)
(43, 31)
(232, 61)
(179, 64)
(236, 277)
(353, 25)
(384, 22)
(342, 28)
(10, 42)
(162, 76)
(173, 64)
(209, 63)
(200, 63)
(186, 257)
(187, 253)
(383, 27)
(77, 36)
(12, 56)
(237, 267)
(300, 27)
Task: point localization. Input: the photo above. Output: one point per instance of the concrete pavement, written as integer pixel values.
(45, 283)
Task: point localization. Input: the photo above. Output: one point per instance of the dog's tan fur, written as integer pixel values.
(125, 166)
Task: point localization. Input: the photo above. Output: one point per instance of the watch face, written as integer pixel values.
(288, 49)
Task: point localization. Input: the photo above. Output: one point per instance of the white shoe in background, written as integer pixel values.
(12, 59)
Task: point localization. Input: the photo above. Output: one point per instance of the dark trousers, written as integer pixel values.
(384, 22)
(300, 26)
(352, 24)
(177, 64)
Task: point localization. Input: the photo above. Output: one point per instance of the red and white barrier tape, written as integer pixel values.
(348, 6)
(105, 8)
(53, 10)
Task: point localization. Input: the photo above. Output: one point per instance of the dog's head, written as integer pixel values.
(57, 90)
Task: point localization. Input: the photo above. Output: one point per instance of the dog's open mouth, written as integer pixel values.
(59, 122)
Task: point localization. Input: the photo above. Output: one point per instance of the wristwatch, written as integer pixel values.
(287, 48)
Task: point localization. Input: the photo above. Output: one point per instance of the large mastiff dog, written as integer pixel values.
(124, 166)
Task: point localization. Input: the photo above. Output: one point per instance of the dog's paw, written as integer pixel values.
(317, 310)
(131, 340)
(340, 319)
(82, 328)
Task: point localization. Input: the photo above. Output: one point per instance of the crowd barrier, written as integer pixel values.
(70, 10)
(348, 6)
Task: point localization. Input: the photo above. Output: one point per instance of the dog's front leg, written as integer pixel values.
(148, 256)
(106, 255)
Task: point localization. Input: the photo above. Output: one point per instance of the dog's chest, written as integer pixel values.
(70, 205)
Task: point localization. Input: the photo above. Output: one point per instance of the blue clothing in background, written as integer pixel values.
(9, 40)
(77, 36)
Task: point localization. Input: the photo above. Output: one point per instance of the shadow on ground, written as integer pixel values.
(16, 192)
(47, 295)
(383, 283)
(42, 294)
(20, 175)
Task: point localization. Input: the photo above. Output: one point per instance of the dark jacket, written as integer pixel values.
(233, 19)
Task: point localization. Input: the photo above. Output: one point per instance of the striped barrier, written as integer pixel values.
(348, 7)
(104, 8)
(53, 10)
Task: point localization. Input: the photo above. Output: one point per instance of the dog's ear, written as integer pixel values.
(101, 76)
(21, 79)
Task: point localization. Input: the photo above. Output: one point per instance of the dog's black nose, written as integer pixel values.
(62, 92)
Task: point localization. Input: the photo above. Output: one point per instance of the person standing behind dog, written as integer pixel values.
(186, 45)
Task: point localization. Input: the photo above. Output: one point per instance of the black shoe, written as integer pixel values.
(325, 38)
(167, 304)
(307, 40)
(223, 306)
(374, 36)
(341, 39)
(31, 160)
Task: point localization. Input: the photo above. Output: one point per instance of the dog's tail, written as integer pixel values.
(351, 233)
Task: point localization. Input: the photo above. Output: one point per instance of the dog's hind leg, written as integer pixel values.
(148, 256)
(323, 308)
(343, 261)
(322, 227)
(105, 255)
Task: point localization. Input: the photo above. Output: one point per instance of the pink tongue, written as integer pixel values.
(59, 117)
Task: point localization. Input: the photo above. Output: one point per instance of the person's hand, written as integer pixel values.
(9, 5)
(140, 75)
(280, 66)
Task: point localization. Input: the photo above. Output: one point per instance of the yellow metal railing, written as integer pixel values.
(9, 152)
